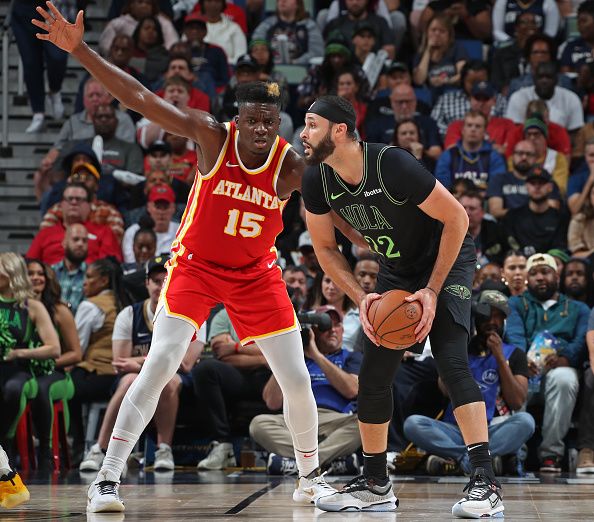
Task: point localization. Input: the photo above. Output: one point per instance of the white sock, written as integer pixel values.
(284, 354)
(4, 464)
(171, 338)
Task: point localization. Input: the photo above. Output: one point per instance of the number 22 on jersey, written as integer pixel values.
(250, 223)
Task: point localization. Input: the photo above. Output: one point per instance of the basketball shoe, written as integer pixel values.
(164, 458)
(93, 459)
(310, 488)
(360, 494)
(278, 465)
(12, 490)
(220, 456)
(482, 500)
(103, 496)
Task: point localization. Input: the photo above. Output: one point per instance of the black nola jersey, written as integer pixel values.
(383, 207)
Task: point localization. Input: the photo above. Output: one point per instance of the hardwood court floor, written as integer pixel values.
(220, 496)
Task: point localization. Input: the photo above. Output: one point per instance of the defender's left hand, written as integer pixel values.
(428, 300)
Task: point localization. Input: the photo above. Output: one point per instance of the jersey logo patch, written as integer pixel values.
(372, 192)
(335, 196)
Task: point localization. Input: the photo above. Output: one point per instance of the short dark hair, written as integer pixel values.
(474, 194)
(181, 56)
(548, 67)
(158, 28)
(294, 268)
(540, 37)
(586, 7)
(472, 65)
(177, 80)
(258, 92)
(201, 3)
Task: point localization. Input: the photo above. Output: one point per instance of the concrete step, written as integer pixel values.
(15, 205)
(15, 177)
(69, 85)
(16, 191)
(30, 220)
(17, 246)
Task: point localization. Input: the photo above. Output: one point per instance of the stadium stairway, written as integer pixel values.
(19, 211)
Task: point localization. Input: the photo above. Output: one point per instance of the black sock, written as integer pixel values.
(480, 457)
(375, 466)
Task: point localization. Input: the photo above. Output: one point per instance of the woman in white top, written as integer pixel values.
(133, 12)
(222, 31)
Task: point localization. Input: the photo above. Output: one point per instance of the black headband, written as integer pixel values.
(333, 112)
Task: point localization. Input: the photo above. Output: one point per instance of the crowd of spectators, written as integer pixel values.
(496, 98)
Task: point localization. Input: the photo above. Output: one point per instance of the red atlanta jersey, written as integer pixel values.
(233, 214)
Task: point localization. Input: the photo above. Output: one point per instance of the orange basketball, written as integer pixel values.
(394, 320)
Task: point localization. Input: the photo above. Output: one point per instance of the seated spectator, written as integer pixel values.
(325, 292)
(365, 271)
(95, 317)
(120, 53)
(408, 136)
(501, 371)
(70, 271)
(564, 105)
(580, 236)
(557, 136)
(472, 157)
(473, 19)
(440, 58)
(101, 213)
(248, 70)
(177, 92)
(296, 281)
(539, 48)
(348, 86)
(581, 181)
(578, 51)
(454, 105)
(235, 373)
(489, 238)
(144, 247)
(133, 12)
(150, 56)
(561, 257)
(538, 224)
(487, 272)
(384, 114)
(482, 99)
(505, 14)
(508, 60)
(508, 190)
(358, 11)
(585, 461)
(206, 58)
(333, 370)
(131, 341)
(514, 272)
(183, 160)
(535, 130)
(29, 341)
(543, 307)
(362, 44)
(181, 66)
(48, 244)
(79, 127)
(223, 31)
(160, 207)
(294, 37)
(309, 262)
(234, 12)
(261, 53)
(47, 290)
(576, 281)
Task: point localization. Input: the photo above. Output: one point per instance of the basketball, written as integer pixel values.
(394, 320)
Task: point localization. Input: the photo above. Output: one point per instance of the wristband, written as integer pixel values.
(429, 288)
(236, 347)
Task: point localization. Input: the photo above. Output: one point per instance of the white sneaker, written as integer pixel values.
(482, 500)
(164, 458)
(57, 105)
(93, 459)
(103, 497)
(221, 456)
(36, 124)
(308, 490)
(360, 494)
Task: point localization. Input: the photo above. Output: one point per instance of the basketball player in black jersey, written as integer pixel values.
(420, 233)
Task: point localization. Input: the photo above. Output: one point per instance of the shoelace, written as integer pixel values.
(320, 481)
(354, 485)
(478, 487)
(107, 488)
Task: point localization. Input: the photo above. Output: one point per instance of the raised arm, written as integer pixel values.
(195, 125)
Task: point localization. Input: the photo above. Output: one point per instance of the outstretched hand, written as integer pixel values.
(60, 32)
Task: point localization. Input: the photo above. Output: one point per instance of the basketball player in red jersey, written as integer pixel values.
(223, 252)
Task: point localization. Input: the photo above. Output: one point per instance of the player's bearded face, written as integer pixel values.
(318, 153)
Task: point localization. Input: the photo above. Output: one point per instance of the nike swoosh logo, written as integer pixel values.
(271, 264)
(117, 438)
(335, 196)
(305, 455)
(470, 448)
(231, 165)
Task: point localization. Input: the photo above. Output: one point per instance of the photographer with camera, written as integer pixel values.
(334, 379)
(501, 371)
